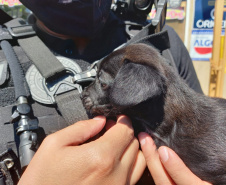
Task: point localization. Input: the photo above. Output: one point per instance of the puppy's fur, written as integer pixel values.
(138, 82)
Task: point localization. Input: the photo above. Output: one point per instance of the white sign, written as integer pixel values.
(201, 45)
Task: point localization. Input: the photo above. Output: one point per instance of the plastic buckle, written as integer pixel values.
(61, 86)
(22, 34)
(85, 76)
(159, 20)
(88, 75)
(4, 34)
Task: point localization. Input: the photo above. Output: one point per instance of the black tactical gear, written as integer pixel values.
(72, 17)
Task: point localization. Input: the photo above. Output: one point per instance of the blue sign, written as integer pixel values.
(204, 15)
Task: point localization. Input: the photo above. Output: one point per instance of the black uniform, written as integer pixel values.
(113, 35)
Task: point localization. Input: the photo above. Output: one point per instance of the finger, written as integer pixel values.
(176, 168)
(110, 123)
(138, 169)
(154, 164)
(79, 132)
(129, 157)
(118, 137)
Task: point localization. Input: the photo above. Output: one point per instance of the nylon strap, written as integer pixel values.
(159, 40)
(42, 57)
(71, 107)
(69, 103)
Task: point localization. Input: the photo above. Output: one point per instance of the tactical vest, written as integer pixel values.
(48, 95)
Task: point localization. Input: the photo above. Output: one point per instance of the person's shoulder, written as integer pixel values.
(168, 28)
(171, 31)
(175, 41)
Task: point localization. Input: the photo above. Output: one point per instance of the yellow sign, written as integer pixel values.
(172, 14)
(10, 3)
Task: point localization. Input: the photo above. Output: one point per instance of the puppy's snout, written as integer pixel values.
(85, 93)
(86, 100)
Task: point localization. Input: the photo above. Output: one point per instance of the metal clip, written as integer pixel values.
(63, 85)
(8, 163)
(85, 76)
(21, 34)
(159, 20)
(88, 75)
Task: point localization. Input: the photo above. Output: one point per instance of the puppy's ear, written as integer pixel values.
(135, 83)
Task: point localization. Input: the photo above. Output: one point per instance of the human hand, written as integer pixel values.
(165, 165)
(63, 158)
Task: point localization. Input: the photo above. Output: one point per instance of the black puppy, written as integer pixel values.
(137, 81)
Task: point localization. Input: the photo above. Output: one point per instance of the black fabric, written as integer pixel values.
(4, 17)
(49, 119)
(112, 36)
(75, 18)
(160, 40)
(169, 58)
(183, 60)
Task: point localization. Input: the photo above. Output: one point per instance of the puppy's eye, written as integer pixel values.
(99, 74)
(104, 85)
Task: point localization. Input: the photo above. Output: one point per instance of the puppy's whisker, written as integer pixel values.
(109, 112)
(147, 129)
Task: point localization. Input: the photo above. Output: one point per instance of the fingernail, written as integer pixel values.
(143, 141)
(99, 118)
(142, 138)
(163, 153)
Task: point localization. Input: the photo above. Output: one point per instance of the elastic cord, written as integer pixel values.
(21, 87)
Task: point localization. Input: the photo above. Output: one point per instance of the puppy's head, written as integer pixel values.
(126, 78)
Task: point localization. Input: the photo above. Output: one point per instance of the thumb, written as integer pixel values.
(80, 132)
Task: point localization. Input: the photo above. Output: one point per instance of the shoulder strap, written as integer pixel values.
(159, 40)
(49, 67)
(168, 55)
